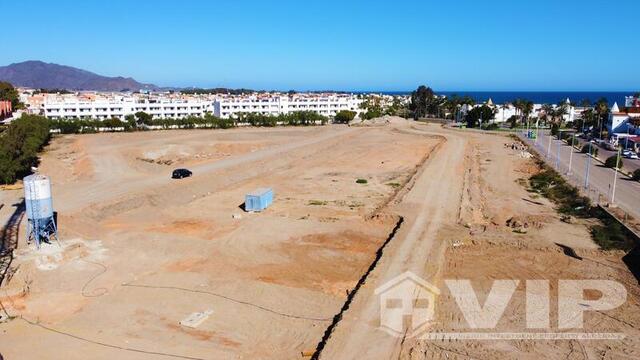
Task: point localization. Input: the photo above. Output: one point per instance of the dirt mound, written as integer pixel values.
(379, 121)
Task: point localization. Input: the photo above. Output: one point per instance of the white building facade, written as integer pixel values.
(323, 104)
(223, 106)
(102, 109)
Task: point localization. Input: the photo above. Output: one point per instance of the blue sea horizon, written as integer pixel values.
(538, 97)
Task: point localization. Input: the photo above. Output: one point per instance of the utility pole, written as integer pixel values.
(573, 136)
(549, 147)
(615, 177)
(558, 156)
(586, 178)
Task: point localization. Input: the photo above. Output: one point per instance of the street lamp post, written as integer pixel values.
(571, 153)
(615, 177)
(549, 147)
(586, 178)
(558, 155)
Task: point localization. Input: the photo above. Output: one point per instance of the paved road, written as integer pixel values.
(628, 164)
(601, 179)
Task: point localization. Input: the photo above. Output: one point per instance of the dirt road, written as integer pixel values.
(429, 205)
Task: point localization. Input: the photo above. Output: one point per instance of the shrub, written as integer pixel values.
(19, 146)
(636, 175)
(611, 162)
(344, 116)
(585, 149)
(361, 181)
(491, 126)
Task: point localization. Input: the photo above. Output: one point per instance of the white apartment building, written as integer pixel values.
(76, 108)
(103, 107)
(268, 104)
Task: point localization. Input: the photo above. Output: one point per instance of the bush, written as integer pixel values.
(491, 126)
(585, 149)
(361, 181)
(636, 175)
(611, 162)
(610, 234)
(19, 146)
(371, 114)
(344, 116)
(551, 185)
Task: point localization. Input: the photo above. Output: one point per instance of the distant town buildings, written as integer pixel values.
(276, 104)
(176, 105)
(93, 105)
(625, 120)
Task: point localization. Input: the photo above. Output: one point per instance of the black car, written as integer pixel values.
(181, 173)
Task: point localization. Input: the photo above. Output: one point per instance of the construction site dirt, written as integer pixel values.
(141, 254)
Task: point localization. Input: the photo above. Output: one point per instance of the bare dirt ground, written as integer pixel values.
(140, 252)
(489, 228)
(490, 247)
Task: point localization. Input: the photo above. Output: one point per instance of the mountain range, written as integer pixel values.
(41, 75)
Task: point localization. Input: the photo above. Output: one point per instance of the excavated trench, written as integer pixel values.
(352, 293)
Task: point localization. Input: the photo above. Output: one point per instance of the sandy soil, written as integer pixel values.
(140, 252)
(494, 251)
(476, 239)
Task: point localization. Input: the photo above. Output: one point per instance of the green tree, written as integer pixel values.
(143, 118)
(601, 109)
(611, 162)
(113, 123)
(20, 145)
(478, 113)
(8, 92)
(344, 116)
(421, 101)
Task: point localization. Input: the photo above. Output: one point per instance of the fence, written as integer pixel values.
(549, 154)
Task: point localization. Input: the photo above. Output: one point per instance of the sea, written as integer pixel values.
(537, 97)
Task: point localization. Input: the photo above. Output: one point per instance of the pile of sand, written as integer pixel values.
(379, 121)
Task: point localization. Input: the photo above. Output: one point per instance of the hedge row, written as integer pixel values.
(19, 147)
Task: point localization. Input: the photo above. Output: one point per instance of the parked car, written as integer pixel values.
(630, 154)
(181, 173)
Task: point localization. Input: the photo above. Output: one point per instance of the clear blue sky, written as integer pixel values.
(349, 45)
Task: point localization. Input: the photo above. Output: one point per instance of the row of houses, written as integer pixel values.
(505, 111)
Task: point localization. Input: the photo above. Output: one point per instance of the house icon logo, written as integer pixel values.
(407, 304)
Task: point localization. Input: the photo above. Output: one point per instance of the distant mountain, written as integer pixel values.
(38, 74)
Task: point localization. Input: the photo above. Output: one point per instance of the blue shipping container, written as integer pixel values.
(258, 200)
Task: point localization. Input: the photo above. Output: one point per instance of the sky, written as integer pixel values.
(453, 45)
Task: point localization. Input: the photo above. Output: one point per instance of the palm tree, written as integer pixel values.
(527, 108)
(602, 109)
(559, 113)
(504, 108)
(585, 103)
(517, 104)
(547, 112)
